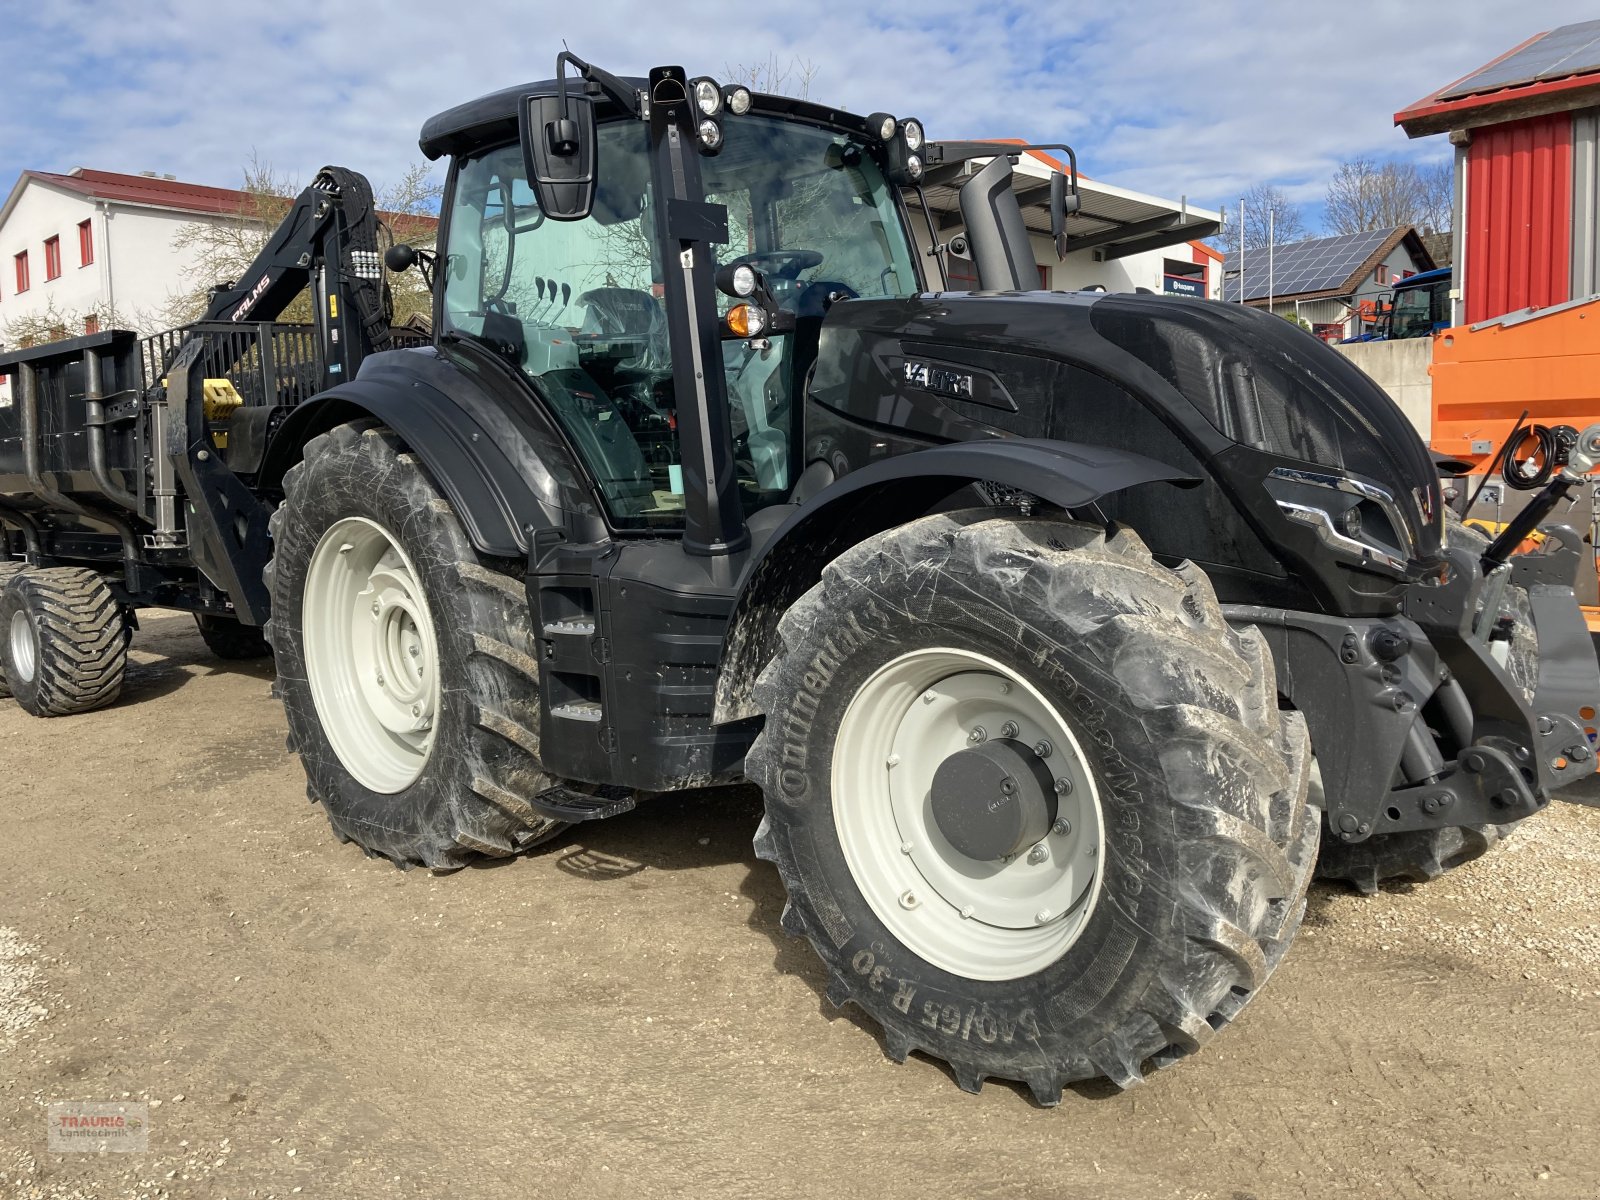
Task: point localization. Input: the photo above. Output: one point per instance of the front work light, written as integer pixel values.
(744, 280)
(708, 96)
(883, 125)
(739, 101)
(710, 134)
(912, 132)
(914, 167)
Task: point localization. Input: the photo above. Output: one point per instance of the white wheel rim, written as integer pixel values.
(993, 920)
(372, 658)
(24, 647)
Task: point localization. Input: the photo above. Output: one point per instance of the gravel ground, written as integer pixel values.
(620, 1015)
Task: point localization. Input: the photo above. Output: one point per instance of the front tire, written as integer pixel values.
(405, 660)
(1186, 816)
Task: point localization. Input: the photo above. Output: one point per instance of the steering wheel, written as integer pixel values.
(783, 264)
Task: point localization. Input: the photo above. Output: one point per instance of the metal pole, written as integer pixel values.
(1271, 233)
(1240, 250)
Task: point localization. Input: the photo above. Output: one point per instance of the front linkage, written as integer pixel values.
(1421, 699)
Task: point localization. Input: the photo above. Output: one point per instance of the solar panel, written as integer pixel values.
(1570, 50)
(1318, 265)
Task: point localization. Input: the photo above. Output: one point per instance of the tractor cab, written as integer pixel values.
(760, 211)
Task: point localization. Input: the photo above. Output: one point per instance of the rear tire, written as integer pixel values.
(449, 640)
(1422, 855)
(63, 641)
(231, 639)
(1196, 782)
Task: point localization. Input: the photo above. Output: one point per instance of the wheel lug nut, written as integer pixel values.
(966, 912)
(1063, 787)
(414, 651)
(906, 847)
(376, 608)
(1062, 827)
(1042, 748)
(1043, 915)
(1009, 729)
(380, 678)
(416, 710)
(908, 899)
(928, 697)
(1038, 854)
(977, 735)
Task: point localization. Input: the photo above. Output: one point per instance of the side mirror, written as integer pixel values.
(399, 257)
(1062, 202)
(558, 153)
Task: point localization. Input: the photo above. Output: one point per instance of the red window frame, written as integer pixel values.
(21, 260)
(85, 243)
(52, 258)
(1383, 275)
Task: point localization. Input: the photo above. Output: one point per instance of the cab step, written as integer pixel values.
(565, 804)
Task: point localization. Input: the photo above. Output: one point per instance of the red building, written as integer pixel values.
(1526, 128)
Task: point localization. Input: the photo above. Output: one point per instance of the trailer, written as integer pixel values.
(1066, 635)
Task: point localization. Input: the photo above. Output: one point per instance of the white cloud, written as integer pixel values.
(1191, 98)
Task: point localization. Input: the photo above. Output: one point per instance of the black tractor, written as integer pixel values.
(1059, 629)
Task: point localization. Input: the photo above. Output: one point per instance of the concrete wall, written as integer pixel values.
(1401, 369)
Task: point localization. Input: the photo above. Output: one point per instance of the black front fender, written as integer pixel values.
(1068, 475)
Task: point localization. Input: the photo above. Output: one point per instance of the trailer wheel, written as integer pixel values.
(405, 660)
(7, 570)
(229, 638)
(63, 641)
(1422, 855)
(1032, 799)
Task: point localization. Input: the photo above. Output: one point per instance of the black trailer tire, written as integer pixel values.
(65, 643)
(229, 638)
(468, 797)
(1422, 855)
(1201, 783)
(7, 570)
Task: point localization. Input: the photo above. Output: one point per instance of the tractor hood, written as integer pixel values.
(1295, 436)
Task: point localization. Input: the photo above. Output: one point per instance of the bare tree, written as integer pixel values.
(1370, 195)
(52, 324)
(1268, 215)
(782, 79)
(224, 248)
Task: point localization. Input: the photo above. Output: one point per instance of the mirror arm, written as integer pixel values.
(612, 87)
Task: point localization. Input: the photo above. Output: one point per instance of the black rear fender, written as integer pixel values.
(875, 498)
(503, 470)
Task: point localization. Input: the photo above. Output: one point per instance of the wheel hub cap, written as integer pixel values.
(994, 800)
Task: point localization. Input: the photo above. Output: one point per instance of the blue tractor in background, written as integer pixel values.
(1418, 307)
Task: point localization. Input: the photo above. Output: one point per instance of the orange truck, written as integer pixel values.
(1544, 363)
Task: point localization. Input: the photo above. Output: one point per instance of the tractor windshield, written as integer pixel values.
(577, 305)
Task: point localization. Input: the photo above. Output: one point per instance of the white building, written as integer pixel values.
(1119, 240)
(81, 248)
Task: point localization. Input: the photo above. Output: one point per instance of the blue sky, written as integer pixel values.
(1199, 99)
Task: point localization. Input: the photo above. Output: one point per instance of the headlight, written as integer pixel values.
(913, 135)
(914, 166)
(744, 280)
(710, 134)
(708, 96)
(884, 125)
(739, 101)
